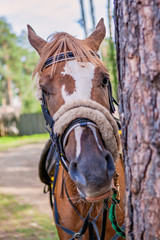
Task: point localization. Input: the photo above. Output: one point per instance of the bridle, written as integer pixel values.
(80, 122)
(59, 143)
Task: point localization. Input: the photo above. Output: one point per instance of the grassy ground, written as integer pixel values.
(23, 222)
(9, 141)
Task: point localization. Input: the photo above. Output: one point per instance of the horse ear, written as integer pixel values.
(95, 39)
(37, 42)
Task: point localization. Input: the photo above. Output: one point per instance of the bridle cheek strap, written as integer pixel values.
(49, 120)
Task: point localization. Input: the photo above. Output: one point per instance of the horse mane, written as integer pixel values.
(64, 42)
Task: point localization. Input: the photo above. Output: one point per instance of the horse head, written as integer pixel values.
(77, 90)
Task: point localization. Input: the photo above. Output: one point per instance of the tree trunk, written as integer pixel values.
(83, 17)
(92, 14)
(112, 51)
(138, 57)
(9, 91)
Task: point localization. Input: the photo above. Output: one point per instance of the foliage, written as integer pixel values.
(10, 141)
(22, 221)
(16, 66)
(109, 59)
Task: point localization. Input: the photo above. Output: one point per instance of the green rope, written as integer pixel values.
(112, 216)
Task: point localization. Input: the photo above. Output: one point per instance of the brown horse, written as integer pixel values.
(73, 83)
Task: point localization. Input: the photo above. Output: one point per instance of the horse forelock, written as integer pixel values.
(64, 42)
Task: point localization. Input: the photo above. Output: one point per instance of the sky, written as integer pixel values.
(47, 17)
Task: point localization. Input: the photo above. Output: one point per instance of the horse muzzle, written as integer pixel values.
(93, 176)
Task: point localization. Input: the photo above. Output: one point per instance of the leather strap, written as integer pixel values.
(58, 58)
(49, 120)
(62, 57)
(76, 123)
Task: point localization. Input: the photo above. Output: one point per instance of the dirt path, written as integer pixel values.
(19, 176)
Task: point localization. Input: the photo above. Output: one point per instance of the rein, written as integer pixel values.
(59, 144)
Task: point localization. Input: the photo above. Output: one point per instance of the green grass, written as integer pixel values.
(15, 141)
(23, 222)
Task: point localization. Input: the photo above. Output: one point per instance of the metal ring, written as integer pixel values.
(77, 235)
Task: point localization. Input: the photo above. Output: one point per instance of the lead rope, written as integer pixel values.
(112, 216)
(112, 210)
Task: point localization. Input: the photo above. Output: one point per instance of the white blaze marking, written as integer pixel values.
(83, 74)
(95, 135)
(78, 132)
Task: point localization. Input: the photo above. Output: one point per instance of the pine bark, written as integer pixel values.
(138, 60)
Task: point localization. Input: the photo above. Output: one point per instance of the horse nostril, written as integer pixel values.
(75, 164)
(76, 174)
(110, 165)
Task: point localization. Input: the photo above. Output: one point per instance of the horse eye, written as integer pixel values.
(45, 91)
(105, 82)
